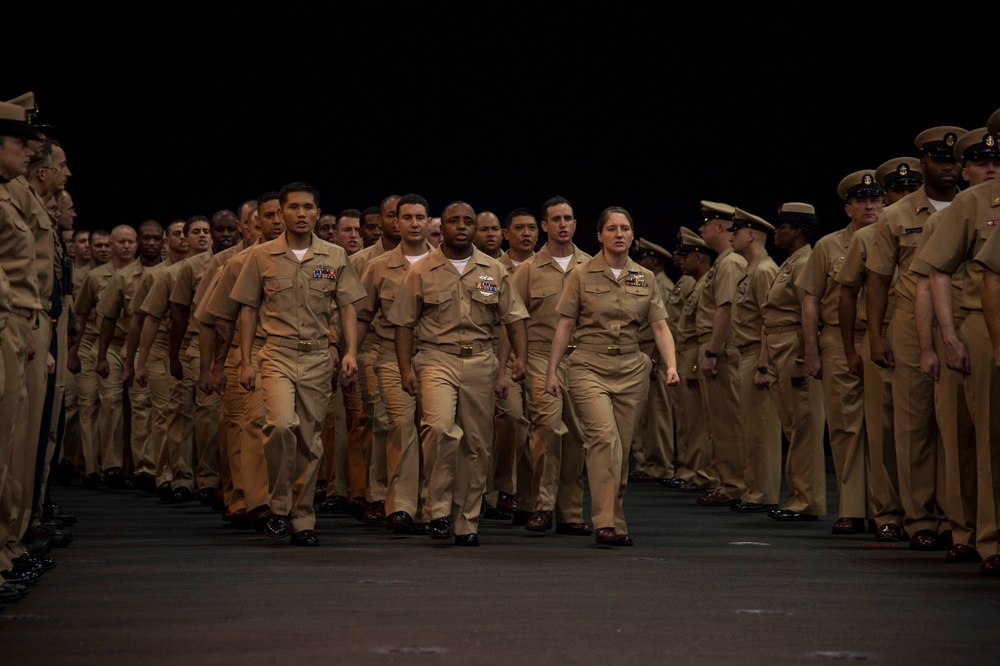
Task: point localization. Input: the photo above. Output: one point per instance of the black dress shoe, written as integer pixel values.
(241, 520)
(20, 577)
(889, 533)
(92, 481)
(356, 507)
(540, 521)
(606, 536)
(165, 492)
(784, 515)
(182, 494)
(694, 488)
(36, 547)
(335, 504)
(420, 528)
(375, 513)
(305, 538)
(468, 540)
(752, 507)
(259, 517)
(56, 538)
(962, 553)
(990, 566)
(672, 483)
(401, 522)
(717, 498)
(846, 525)
(319, 493)
(489, 512)
(924, 540)
(12, 592)
(439, 528)
(145, 482)
(277, 527)
(114, 478)
(206, 496)
(28, 563)
(574, 529)
(57, 514)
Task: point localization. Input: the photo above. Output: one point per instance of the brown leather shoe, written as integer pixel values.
(846, 525)
(990, 566)
(716, 498)
(623, 540)
(888, 533)
(506, 503)
(692, 487)
(924, 540)
(540, 521)
(574, 529)
(375, 513)
(606, 536)
(962, 553)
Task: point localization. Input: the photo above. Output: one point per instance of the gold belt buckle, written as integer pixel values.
(570, 349)
(305, 345)
(614, 350)
(465, 351)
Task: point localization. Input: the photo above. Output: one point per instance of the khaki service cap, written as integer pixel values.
(745, 220)
(939, 141)
(13, 122)
(900, 172)
(645, 248)
(977, 144)
(993, 124)
(711, 210)
(859, 184)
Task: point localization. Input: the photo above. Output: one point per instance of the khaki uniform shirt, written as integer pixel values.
(116, 299)
(782, 306)
(4, 304)
(687, 332)
(720, 289)
(17, 252)
(208, 276)
(853, 273)
(91, 293)
(922, 268)
(381, 280)
(989, 254)
(666, 287)
(820, 276)
(539, 282)
(965, 227)
(446, 308)
(48, 250)
(897, 235)
(676, 298)
(218, 304)
(610, 310)
(149, 277)
(186, 284)
(751, 293)
(296, 299)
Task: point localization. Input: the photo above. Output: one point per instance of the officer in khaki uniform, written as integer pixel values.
(17, 259)
(293, 284)
(799, 396)
(605, 301)
(979, 155)
(406, 487)
(254, 468)
(367, 419)
(897, 177)
(114, 307)
(653, 445)
(556, 443)
(694, 441)
(719, 357)
(451, 302)
(825, 357)
(762, 441)
(898, 233)
(962, 233)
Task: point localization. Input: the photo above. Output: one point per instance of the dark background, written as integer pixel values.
(170, 110)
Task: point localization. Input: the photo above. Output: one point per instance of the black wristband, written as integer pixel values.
(762, 369)
(711, 354)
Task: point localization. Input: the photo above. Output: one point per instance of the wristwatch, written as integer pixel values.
(711, 354)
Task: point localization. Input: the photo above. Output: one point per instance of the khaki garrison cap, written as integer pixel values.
(13, 122)
(859, 184)
(800, 214)
(977, 144)
(711, 210)
(993, 124)
(745, 220)
(899, 172)
(645, 248)
(939, 141)
(688, 241)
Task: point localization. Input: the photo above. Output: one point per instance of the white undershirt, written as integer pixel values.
(563, 262)
(300, 253)
(414, 259)
(617, 272)
(939, 205)
(460, 264)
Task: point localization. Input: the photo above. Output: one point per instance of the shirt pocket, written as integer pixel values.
(483, 307)
(273, 285)
(440, 305)
(637, 301)
(321, 291)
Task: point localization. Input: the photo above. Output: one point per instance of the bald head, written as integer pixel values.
(123, 244)
(488, 233)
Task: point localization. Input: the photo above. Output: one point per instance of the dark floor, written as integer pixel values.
(148, 583)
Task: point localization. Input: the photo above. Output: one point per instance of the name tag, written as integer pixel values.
(912, 230)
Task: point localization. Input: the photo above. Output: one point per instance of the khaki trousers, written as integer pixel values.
(958, 452)
(654, 445)
(231, 421)
(259, 465)
(883, 479)
(721, 397)
(89, 402)
(13, 432)
(336, 460)
(694, 441)
(406, 488)
(510, 462)
(762, 430)
(207, 410)
(369, 384)
(110, 424)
